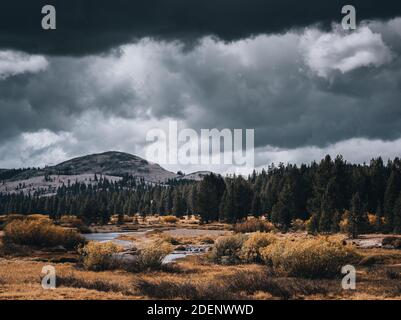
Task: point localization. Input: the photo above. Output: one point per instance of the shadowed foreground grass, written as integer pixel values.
(195, 278)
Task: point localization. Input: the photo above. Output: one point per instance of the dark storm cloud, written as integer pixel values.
(351, 88)
(93, 26)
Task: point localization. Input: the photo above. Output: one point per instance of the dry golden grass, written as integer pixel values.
(22, 280)
(198, 277)
(170, 219)
(193, 277)
(40, 233)
(253, 225)
(310, 258)
(251, 249)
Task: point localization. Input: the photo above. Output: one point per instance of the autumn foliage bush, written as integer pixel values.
(98, 256)
(228, 249)
(250, 251)
(253, 225)
(40, 233)
(309, 258)
(170, 219)
(150, 258)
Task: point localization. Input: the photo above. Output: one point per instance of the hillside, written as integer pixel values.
(111, 165)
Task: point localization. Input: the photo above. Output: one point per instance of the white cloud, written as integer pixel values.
(326, 53)
(356, 150)
(13, 63)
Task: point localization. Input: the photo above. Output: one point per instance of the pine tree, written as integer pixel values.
(397, 215)
(211, 190)
(256, 205)
(335, 222)
(328, 207)
(357, 217)
(178, 204)
(284, 209)
(390, 197)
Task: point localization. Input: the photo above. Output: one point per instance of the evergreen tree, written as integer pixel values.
(284, 209)
(256, 205)
(178, 204)
(397, 215)
(211, 190)
(390, 197)
(328, 207)
(357, 217)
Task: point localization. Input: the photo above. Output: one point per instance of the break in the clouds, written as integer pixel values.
(306, 92)
(13, 63)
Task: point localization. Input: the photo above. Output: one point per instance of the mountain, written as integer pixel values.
(114, 164)
(111, 165)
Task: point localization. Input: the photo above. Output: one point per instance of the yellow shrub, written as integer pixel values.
(344, 223)
(252, 246)
(70, 220)
(227, 249)
(151, 257)
(299, 225)
(40, 233)
(309, 258)
(74, 222)
(170, 219)
(253, 225)
(98, 256)
(375, 221)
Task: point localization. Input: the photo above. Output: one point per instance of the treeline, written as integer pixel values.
(325, 194)
(6, 174)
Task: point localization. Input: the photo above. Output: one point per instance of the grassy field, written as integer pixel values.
(197, 276)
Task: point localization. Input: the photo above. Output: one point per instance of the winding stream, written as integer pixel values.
(112, 237)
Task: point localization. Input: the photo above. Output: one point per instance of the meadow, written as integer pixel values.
(249, 260)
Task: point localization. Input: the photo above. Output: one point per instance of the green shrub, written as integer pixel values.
(228, 249)
(40, 233)
(250, 251)
(309, 258)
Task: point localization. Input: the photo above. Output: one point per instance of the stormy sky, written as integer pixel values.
(113, 70)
